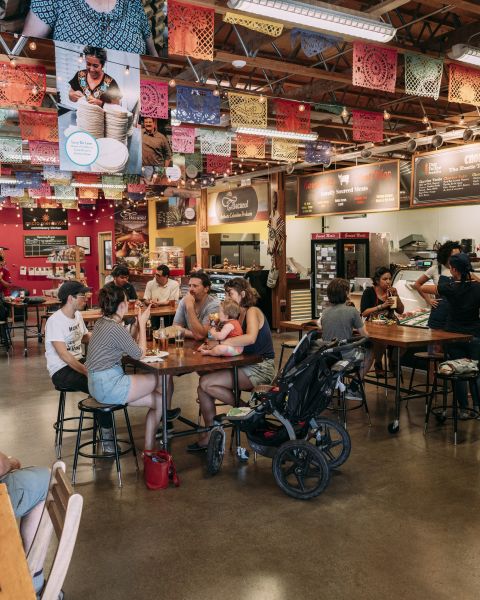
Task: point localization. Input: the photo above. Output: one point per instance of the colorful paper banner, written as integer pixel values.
(374, 67)
(247, 111)
(312, 43)
(154, 99)
(423, 75)
(39, 125)
(464, 85)
(190, 30)
(250, 146)
(216, 142)
(290, 117)
(42, 153)
(219, 164)
(284, 150)
(318, 152)
(255, 24)
(367, 126)
(23, 85)
(197, 105)
(183, 139)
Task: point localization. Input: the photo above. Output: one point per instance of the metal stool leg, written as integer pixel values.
(428, 403)
(117, 458)
(129, 429)
(59, 425)
(281, 358)
(77, 447)
(412, 375)
(364, 399)
(455, 413)
(95, 431)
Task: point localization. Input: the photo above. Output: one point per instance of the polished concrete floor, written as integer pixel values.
(397, 521)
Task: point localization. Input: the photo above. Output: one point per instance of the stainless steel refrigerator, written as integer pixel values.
(347, 255)
(241, 249)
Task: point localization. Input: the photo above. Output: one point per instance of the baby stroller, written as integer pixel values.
(284, 422)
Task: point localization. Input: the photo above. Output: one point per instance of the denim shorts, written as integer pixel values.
(110, 386)
(26, 488)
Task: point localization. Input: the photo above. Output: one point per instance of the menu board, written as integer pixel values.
(42, 245)
(446, 176)
(367, 188)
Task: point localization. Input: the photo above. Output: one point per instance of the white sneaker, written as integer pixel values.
(108, 445)
(353, 394)
(242, 454)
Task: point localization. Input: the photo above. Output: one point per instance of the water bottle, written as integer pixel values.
(162, 336)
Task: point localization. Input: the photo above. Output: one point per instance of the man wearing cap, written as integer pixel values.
(65, 333)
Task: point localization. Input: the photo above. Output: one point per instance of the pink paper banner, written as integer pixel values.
(367, 126)
(218, 164)
(154, 99)
(374, 67)
(183, 139)
(43, 191)
(137, 188)
(44, 153)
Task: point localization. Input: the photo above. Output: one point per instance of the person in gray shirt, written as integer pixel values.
(194, 310)
(338, 321)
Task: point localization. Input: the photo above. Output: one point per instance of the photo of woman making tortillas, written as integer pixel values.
(92, 83)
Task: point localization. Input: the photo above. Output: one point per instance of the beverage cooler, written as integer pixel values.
(348, 255)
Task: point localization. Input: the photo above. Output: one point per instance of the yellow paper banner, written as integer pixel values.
(260, 25)
(284, 150)
(247, 111)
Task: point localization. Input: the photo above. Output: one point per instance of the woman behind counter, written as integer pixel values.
(115, 24)
(381, 300)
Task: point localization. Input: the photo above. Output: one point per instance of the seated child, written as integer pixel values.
(338, 321)
(230, 327)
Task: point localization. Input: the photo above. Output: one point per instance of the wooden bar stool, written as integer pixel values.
(59, 423)
(441, 413)
(90, 405)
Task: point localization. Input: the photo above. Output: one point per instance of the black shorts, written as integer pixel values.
(69, 379)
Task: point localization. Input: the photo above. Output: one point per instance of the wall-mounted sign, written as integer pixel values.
(238, 204)
(44, 218)
(367, 188)
(176, 211)
(131, 235)
(446, 177)
(81, 148)
(42, 245)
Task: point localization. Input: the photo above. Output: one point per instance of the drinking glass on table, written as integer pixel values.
(179, 338)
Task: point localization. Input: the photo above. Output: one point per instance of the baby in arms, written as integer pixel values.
(229, 327)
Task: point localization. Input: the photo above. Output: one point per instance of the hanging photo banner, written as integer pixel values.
(11, 150)
(363, 189)
(247, 111)
(176, 211)
(219, 164)
(464, 85)
(156, 150)
(131, 234)
(154, 99)
(55, 176)
(312, 43)
(39, 125)
(197, 105)
(44, 218)
(44, 153)
(216, 142)
(255, 24)
(444, 177)
(98, 133)
(374, 67)
(250, 146)
(23, 85)
(292, 116)
(183, 139)
(423, 75)
(136, 26)
(235, 206)
(284, 150)
(318, 152)
(191, 30)
(367, 126)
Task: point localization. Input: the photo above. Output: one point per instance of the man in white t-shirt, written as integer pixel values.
(65, 332)
(160, 290)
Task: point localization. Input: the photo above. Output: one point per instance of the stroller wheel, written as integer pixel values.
(300, 469)
(215, 451)
(333, 440)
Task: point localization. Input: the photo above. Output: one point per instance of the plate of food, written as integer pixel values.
(170, 331)
(155, 353)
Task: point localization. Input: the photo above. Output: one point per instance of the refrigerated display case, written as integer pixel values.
(344, 254)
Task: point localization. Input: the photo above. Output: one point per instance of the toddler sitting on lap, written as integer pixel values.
(230, 327)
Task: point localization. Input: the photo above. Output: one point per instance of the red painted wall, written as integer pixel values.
(12, 232)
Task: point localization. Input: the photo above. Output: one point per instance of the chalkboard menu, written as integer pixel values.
(367, 188)
(446, 177)
(42, 245)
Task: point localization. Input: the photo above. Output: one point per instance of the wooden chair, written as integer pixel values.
(61, 514)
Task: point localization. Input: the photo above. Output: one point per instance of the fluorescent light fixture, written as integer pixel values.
(100, 186)
(319, 16)
(274, 133)
(8, 181)
(466, 54)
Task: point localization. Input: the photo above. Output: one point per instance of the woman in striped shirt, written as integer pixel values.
(107, 381)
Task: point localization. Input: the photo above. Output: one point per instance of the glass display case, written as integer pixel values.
(172, 256)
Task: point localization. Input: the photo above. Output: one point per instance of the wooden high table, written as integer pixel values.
(398, 336)
(190, 360)
(15, 579)
(93, 314)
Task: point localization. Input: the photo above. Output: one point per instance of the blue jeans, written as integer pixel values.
(466, 350)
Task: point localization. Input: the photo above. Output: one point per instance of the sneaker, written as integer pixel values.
(242, 454)
(173, 413)
(351, 394)
(108, 445)
(464, 415)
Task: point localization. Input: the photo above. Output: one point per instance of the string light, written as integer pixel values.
(425, 119)
(80, 57)
(301, 107)
(13, 62)
(127, 70)
(462, 120)
(33, 46)
(344, 113)
(386, 115)
(172, 83)
(216, 93)
(261, 98)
